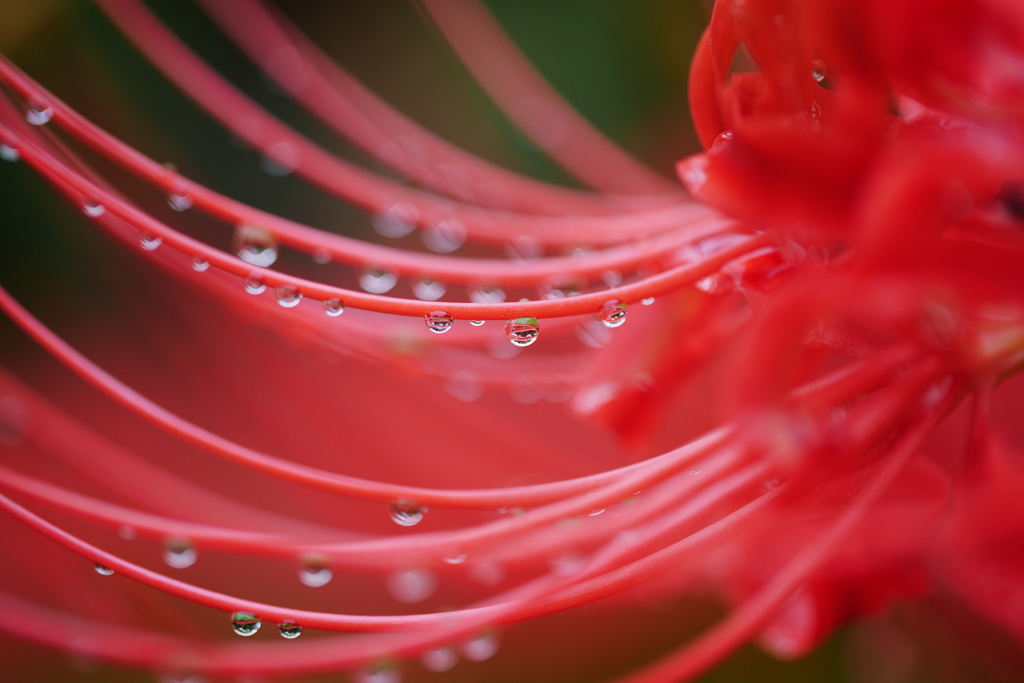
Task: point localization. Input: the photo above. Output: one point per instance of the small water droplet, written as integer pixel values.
(407, 512)
(179, 554)
(613, 314)
(255, 245)
(315, 571)
(396, 221)
(522, 331)
(245, 623)
(428, 290)
(288, 296)
(412, 586)
(254, 285)
(455, 558)
(445, 237)
(334, 307)
(477, 323)
(379, 673)
(199, 264)
(439, 322)
(818, 70)
(93, 209)
(179, 201)
(289, 630)
(8, 153)
(101, 570)
(439, 659)
(648, 301)
(480, 647)
(150, 242)
(38, 114)
(487, 295)
(321, 256)
(377, 280)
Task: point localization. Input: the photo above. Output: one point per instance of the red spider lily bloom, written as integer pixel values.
(496, 426)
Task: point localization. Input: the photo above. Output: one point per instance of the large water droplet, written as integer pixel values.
(439, 659)
(377, 280)
(480, 647)
(150, 242)
(439, 322)
(289, 630)
(522, 331)
(93, 209)
(179, 553)
(315, 571)
(245, 623)
(254, 285)
(487, 295)
(407, 512)
(288, 296)
(413, 585)
(445, 237)
(613, 314)
(101, 570)
(38, 114)
(255, 245)
(428, 290)
(8, 153)
(334, 307)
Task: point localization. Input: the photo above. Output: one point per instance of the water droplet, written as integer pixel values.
(379, 673)
(288, 296)
(487, 295)
(150, 242)
(818, 70)
(377, 280)
(445, 237)
(648, 301)
(101, 570)
(93, 209)
(407, 512)
(613, 314)
(439, 659)
(413, 585)
(281, 159)
(245, 623)
(612, 278)
(334, 307)
(524, 249)
(439, 322)
(481, 647)
(522, 331)
(179, 554)
(199, 264)
(179, 201)
(396, 221)
(455, 558)
(315, 571)
(255, 245)
(477, 323)
(428, 290)
(8, 153)
(321, 256)
(254, 285)
(289, 630)
(38, 114)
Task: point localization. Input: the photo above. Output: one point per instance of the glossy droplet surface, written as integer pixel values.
(648, 301)
(522, 331)
(407, 513)
(818, 70)
(289, 630)
(439, 322)
(288, 296)
(613, 314)
(179, 201)
(38, 114)
(334, 307)
(444, 238)
(102, 571)
(179, 554)
(150, 242)
(476, 323)
(255, 245)
(377, 281)
(93, 209)
(413, 585)
(396, 221)
(245, 623)
(428, 290)
(439, 659)
(315, 571)
(199, 264)
(255, 286)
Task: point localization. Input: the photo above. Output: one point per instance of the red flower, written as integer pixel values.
(795, 388)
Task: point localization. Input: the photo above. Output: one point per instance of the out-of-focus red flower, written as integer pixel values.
(794, 389)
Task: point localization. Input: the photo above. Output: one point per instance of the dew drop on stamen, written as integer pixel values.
(101, 570)
(396, 221)
(476, 323)
(200, 265)
(289, 630)
(254, 245)
(522, 331)
(455, 558)
(377, 281)
(428, 290)
(648, 301)
(487, 295)
(439, 322)
(38, 114)
(315, 571)
(480, 647)
(150, 242)
(179, 201)
(524, 249)
(8, 153)
(254, 286)
(93, 209)
(245, 623)
(444, 238)
(412, 586)
(334, 307)
(407, 513)
(613, 314)
(288, 296)
(179, 554)
(439, 659)
(378, 673)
